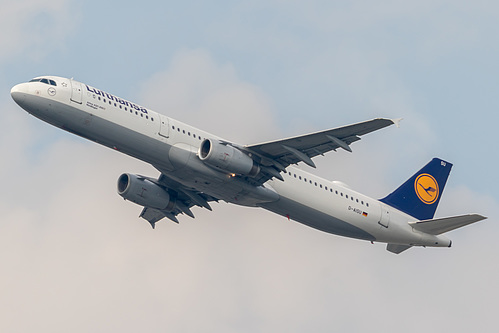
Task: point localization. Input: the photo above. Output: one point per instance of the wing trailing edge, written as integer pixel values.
(281, 153)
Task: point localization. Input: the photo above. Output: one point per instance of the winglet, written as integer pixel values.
(397, 121)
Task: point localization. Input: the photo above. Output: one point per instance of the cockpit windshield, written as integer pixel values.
(46, 81)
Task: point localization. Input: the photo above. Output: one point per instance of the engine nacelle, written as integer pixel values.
(144, 192)
(227, 158)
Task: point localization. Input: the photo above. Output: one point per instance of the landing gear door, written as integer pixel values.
(76, 92)
(163, 126)
(384, 219)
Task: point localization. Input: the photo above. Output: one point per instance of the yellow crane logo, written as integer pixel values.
(426, 188)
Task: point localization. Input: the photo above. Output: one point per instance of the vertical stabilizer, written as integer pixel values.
(419, 196)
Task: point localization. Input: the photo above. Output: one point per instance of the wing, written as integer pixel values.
(273, 157)
(281, 153)
(185, 199)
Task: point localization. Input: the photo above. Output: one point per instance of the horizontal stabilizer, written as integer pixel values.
(439, 226)
(395, 248)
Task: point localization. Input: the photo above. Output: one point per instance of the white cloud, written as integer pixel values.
(197, 90)
(76, 257)
(420, 27)
(33, 25)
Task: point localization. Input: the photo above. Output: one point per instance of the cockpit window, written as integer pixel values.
(46, 81)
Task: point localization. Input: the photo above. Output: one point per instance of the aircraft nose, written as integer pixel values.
(18, 93)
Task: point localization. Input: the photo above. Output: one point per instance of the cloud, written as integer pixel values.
(195, 89)
(75, 256)
(34, 26)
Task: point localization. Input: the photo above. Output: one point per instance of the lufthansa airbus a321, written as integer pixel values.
(197, 168)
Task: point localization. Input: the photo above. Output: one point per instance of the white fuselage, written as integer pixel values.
(172, 147)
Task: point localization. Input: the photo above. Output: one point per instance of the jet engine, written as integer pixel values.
(144, 192)
(227, 158)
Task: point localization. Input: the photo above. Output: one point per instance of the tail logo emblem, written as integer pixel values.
(426, 188)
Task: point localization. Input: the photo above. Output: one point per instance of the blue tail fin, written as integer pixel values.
(419, 196)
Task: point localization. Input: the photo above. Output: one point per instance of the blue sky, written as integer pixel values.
(251, 72)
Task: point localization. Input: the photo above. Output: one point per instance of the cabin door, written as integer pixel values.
(385, 217)
(76, 92)
(163, 126)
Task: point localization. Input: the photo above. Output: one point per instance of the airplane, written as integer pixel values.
(197, 168)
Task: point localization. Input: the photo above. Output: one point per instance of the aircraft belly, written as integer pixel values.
(43, 108)
(316, 219)
(202, 178)
(135, 137)
(137, 143)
